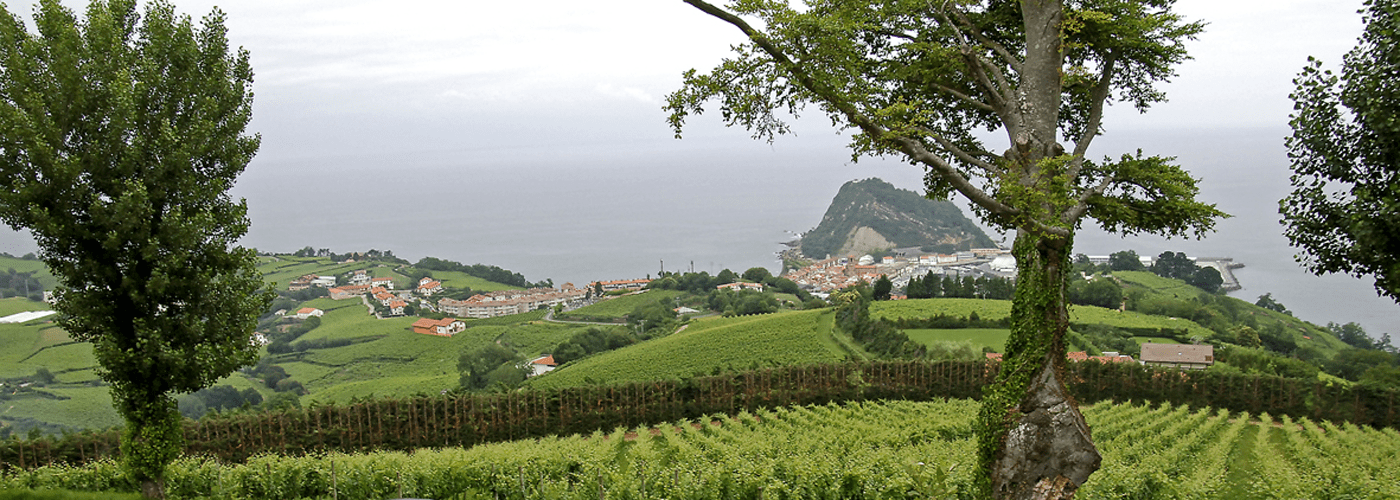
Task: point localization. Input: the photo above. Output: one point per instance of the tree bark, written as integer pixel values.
(1039, 446)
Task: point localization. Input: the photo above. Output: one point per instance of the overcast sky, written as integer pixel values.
(353, 77)
(408, 86)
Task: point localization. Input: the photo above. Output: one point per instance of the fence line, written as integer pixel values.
(469, 419)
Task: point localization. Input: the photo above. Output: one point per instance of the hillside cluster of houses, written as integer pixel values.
(507, 302)
(835, 273)
(482, 305)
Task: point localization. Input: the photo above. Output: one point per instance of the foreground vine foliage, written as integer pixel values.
(873, 450)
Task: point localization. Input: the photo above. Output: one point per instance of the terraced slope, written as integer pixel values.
(707, 345)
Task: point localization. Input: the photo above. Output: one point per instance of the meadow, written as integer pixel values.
(994, 338)
(709, 345)
(619, 307)
(14, 305)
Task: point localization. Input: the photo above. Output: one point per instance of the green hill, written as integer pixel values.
(350, 355)
(707, 345)
(617, 308)
(871, 215)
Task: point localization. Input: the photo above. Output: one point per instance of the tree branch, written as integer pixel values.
(1081, 205)
(990, 44)
(1000, 91)
(909, 146)
(950, 147)
(1091, 126)
(966, 98)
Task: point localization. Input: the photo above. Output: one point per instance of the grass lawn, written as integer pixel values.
(994, 338)
(17, 342)
(86, 407)
(14, 305)
(41, 271)
(457, 279)
(621, 306)
(708, 345)
(923, 308)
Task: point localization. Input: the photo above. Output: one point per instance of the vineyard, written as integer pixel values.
(890, 449)
(472, 419)
(709, 345)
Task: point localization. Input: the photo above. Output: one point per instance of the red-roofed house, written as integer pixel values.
(427, 286)
(307, 312)
(542, 365)
(349, 291)
(445, 327)
(386, 282)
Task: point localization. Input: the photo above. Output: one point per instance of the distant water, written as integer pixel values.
(577, 216)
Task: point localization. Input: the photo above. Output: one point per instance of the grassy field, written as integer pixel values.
(288, 268)
(457, 279)
(708, 345)
(41, 271)
(621, 306)
(389, 359)
(85, 407)
(386, 358)
(998, 309)
(1163, 290)
(14, 305)
(994, 338)
(923, 308)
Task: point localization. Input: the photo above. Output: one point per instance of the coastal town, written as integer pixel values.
(818, 278)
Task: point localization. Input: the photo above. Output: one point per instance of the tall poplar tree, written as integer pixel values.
(120, 136)
(914, 79)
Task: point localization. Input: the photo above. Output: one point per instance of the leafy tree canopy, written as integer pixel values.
(1344, 211)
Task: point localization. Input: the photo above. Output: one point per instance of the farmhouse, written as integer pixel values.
(396, 307)
(385, 282)
(301, 283)
(307, 312)
(445, 327)
(429, 286)
(349, 291)
(542, 365)
(741, 285)
(1190, 357)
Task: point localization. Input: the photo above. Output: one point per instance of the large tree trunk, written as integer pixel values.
(1033, 442)
(153, 437)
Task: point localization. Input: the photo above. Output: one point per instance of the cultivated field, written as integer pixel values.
(892, 449)
(709, 345)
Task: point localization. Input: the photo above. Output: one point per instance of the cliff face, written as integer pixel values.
(872, 215)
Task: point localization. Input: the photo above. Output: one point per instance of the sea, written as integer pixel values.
(586, 214)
